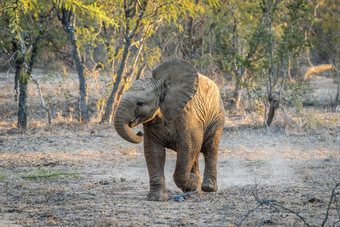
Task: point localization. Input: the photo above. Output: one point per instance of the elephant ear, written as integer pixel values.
(180, 82)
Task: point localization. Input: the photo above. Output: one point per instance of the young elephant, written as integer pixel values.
(181, 110)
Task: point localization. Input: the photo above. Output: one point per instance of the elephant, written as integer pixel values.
(182, 110)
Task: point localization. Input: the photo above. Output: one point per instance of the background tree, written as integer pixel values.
(278, 38)
(253, 46)
(24, 25)
(140, 19)
(67, 17)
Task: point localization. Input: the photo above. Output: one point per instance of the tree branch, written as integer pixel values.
(48, 111)
(333, 196)
(273, 204)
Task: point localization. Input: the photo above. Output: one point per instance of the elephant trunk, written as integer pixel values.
(123, 117)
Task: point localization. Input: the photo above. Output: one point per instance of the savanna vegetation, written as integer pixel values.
(64, 65)
(261, 53)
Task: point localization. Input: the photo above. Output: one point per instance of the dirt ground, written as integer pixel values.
(86, 175)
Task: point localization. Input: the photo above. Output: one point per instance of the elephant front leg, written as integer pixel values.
(186, 174)
(155, 159)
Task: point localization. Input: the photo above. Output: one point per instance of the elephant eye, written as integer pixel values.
(140, 104)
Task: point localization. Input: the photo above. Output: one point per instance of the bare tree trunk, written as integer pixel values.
(337, 75)
(289, 68)
(22, 84)
(238, 73)
(68, 21)
(237, 95)
(22, 113)
(274, 105)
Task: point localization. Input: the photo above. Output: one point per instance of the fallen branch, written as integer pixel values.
(42, 102)
(272, 204)
(333, 196)
(182, 196)
(317, 69)
(248, 213)
(277, 205)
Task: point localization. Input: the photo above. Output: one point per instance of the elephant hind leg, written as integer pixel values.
(210, 152)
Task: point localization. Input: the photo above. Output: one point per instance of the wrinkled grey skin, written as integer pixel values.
(181, 110)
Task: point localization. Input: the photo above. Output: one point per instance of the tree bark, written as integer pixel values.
(68, 21)
(274, 105)
(288, 70)
(337, 75)
(22, 114)
(20, 80)
(237, 95)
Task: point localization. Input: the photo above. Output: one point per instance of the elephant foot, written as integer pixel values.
(209, 186)
(157, 196)
(192, 185)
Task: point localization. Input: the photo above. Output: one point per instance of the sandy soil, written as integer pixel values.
(86, 175)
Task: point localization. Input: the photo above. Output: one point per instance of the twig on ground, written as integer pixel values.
(277, 205)
(333, 196)
(248, 213)
(272, 204)
(182, 196)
